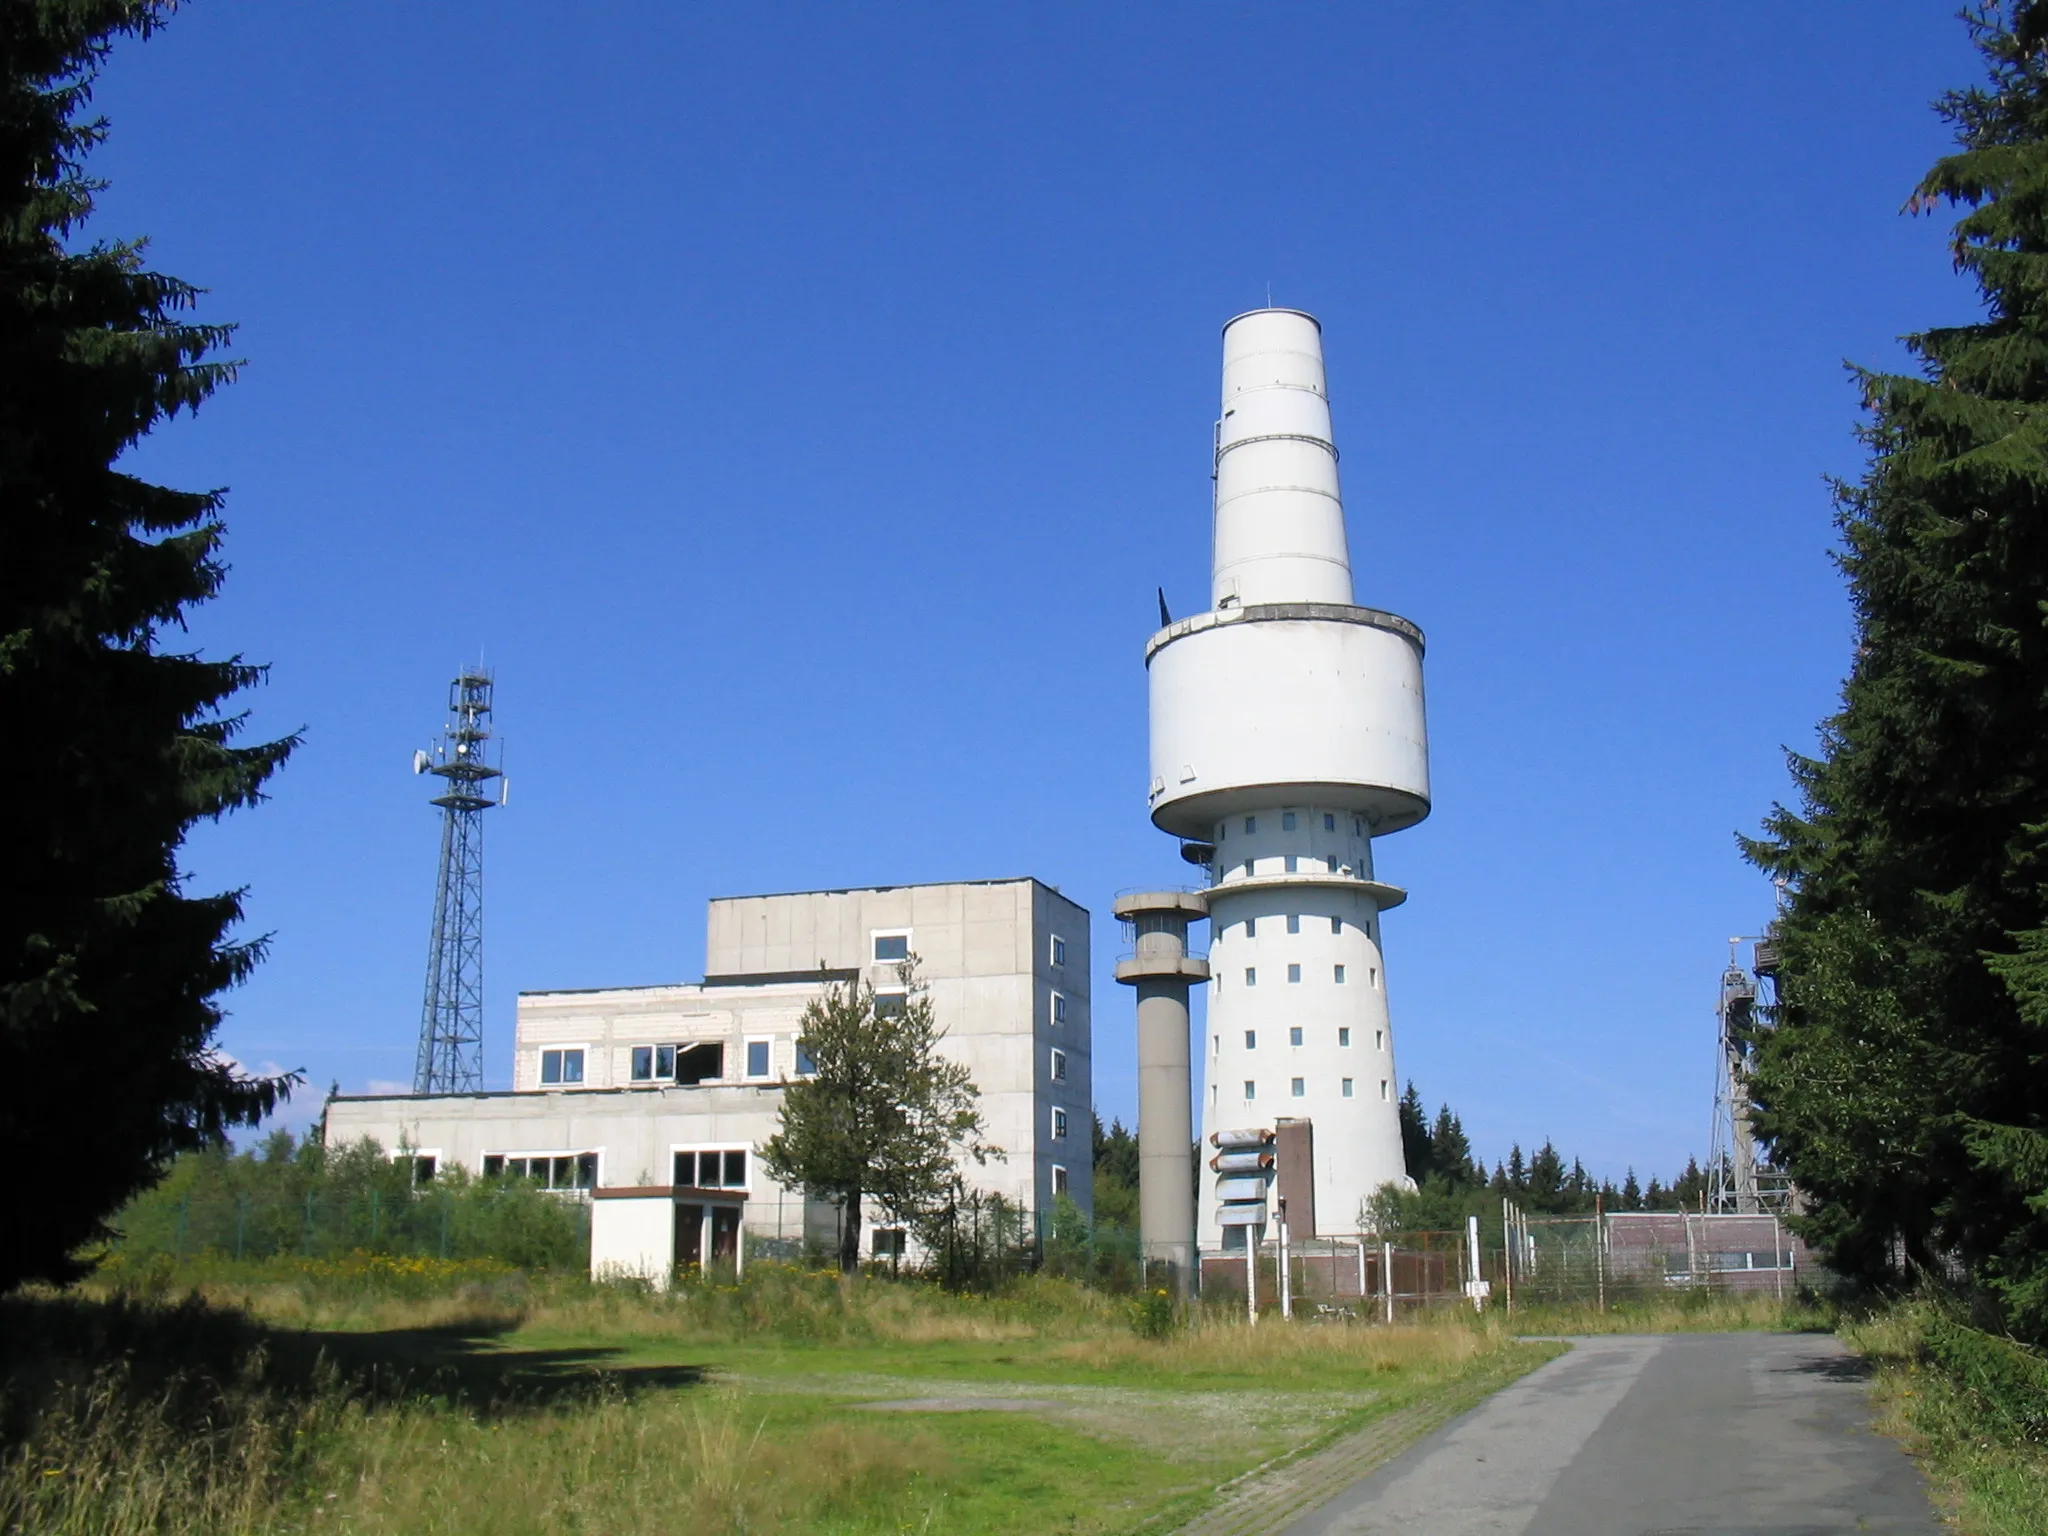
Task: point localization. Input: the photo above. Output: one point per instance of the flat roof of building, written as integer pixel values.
(908, 885)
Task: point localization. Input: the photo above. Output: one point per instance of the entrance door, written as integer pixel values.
(689, 1236)
(725, 1233)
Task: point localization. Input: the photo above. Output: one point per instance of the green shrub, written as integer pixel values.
(2003, 1384)
(1153, 1315)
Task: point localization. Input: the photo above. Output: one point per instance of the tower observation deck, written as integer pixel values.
(1287, 733)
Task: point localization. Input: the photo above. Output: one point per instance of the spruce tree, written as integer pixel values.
(1904, 1086)
(110, 969)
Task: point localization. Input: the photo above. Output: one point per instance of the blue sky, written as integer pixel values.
(797, 406)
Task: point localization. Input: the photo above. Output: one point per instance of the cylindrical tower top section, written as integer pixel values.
(1279, 535)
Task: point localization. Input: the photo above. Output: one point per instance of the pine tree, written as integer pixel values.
(1416, 1151)
(1631, 1193)
(1116, 1173)
(1450, 1151)
(1904, 1086)
(110, 970)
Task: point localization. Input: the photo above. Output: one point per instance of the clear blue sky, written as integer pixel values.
(797, 405)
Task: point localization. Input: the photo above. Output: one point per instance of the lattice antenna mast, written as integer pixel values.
(1742, 1179)
(451, 1058)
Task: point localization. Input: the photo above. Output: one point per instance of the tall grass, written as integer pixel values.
(1972, 1406)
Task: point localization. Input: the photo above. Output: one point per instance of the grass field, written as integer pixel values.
(395, 1396)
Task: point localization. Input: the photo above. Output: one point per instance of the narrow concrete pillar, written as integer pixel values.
(1162, 971)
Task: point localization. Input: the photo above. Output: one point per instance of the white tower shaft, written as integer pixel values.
(1287, 733)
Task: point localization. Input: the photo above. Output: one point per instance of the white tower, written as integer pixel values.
(1287, 733)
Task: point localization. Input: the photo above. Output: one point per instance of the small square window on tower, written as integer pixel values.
(1336, 925)
(1251, 975)
(1379, 1039)
(1298, 1087)
(1059, 1180)
(1059, 1065)
(1383, 1090)
(1329, 822)
(1339, 974)
(1251, 825)
(1294, 1034)
(1293, 864)
(1059, 1009)
(1287, 821)
(1343, 1034)
(1059, 950)
(1294, 922)
(1251, 927)
(1251, 1039)
(892, 947)
(1059, 1125)
(1347, 1087)
(1251, 1089)
(1294, 972)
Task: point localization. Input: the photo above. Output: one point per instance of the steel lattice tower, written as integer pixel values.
(1741, 1178)
(451, 1058)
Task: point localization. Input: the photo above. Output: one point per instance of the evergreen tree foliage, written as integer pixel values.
(883, 1114)
(110, 970)
(1116, 1173)
(1904, 1085)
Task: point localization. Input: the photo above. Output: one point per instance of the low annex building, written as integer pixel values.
(652, 1101)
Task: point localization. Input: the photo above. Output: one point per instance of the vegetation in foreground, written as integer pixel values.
(1974, 1408)
(299, 1394)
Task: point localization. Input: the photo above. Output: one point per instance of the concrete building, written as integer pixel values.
(652, 1101)
(1287, 734)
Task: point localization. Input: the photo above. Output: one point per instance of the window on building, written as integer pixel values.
(424, 1166)
(1331, 863)
(1287, 821)
(1293, 864)
(1251, 1039)
(712, 1168)
(1357, 827)
(891, 1005)
(757, 1058)
(1059, 1008)
(1297, 1087)
(1251, 1089)
(892, 946)
(1248, 863)
(1294, 1034)
(1059, 950)
(1059, 1125)
(1337, 973)
(1215, 1045)
(1379, 1039)
(1059, 1065)
(1383, 1090)
(1251, 825)
(700, 1063)
(1251, 927)
(1294, 973)
(571, 1170)
(1343, 1034)
(806, 1065)
(1372, 975)
(1336, 925)
(654, 1063)
(1294, 922)
(1251, 975)
(891, 1243)
(1222, 830)
(1059, 1180)
(1212, 1095)
(1329, 822)
(563, 1066)
(1347, 1087)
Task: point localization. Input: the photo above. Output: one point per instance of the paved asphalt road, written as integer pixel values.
(1718, 1434)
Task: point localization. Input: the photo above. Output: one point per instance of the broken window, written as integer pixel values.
(700, 1063)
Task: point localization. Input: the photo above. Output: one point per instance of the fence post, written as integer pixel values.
(1251, 1278)
(1507, 1255)
(1600, 1249)
(1387, 1276)
(1361, 1274)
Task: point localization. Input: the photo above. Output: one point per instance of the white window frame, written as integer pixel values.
(1297, 1087)
(908, 936)
(540, 1069)
(413, 1155)
(721, 1148)
(894, 996)
(1061, 1185)
(747, 1044)
(797, 1052)
(1058, 1010)
(1056, 951)
(1337, 973)
(551, 1153)
(1059, 1065)
(1059, 1123)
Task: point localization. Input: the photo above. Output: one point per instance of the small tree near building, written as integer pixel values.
(881, 1115)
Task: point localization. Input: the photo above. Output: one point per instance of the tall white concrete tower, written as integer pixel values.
(1287, 734)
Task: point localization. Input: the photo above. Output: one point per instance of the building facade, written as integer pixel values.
(656, 1099)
